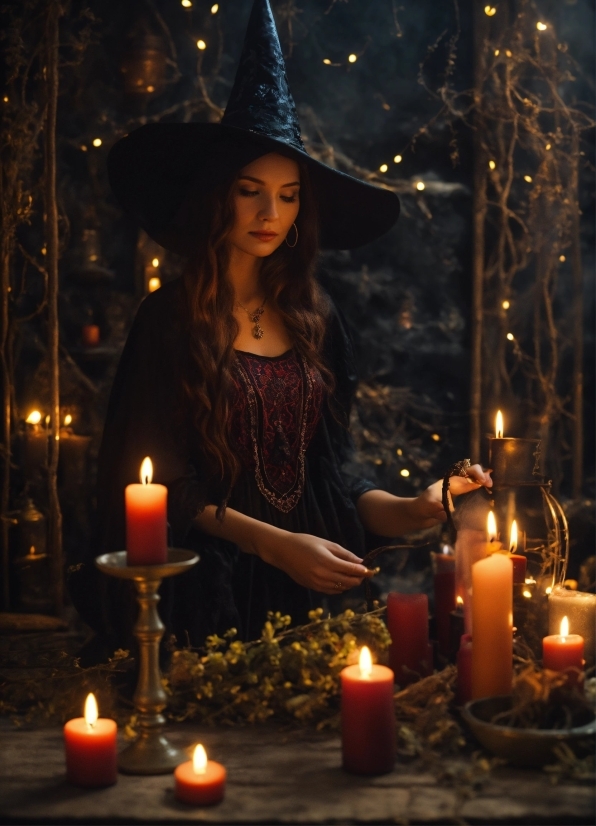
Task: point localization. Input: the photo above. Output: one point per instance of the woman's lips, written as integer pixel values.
(264, 236)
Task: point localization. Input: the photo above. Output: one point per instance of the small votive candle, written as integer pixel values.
(90, 747)
(200, 782)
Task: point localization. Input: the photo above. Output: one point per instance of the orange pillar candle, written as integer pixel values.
(146, 520)
(367, 717)
(564, 651)
(200, 782)
(492, 621)
(90, 746)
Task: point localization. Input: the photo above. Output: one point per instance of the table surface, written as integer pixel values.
(280, 777)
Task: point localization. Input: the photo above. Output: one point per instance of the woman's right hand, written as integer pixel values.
(312, 562)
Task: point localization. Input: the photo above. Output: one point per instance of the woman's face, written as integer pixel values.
(266, 203)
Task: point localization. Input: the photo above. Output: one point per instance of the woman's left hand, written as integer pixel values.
(427, 510)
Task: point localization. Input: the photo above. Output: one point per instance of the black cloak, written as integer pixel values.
(147, 416)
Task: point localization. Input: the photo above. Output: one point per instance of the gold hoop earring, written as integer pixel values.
(291, 246)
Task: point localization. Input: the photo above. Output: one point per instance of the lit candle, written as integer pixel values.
(564, 651)
(499, 427)
(410, 653)
(492, 621)
(367, 717)
(513, 461)
(519, 561)
(580, 608)
(200, 781)
(90, 746)
(146, 520)
(444, 590)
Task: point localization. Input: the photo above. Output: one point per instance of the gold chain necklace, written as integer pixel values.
(255, 316)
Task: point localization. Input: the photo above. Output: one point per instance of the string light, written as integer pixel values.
(96, 141)
(154, 284)
(562, 258)
(404, 472)
(214, 8)
(508, 53)
(420, 186)
(497, 52)
(44, 251)
(490, 11)
(527, 594)
(34, 417)
(548, 146)
(155, 262)
(435, 437)
(383, 167)
(399, 451)
(150, 89)
(67, 420)
(201, 45)
(506, 305)
(492, 165)
(83, 148)
(542, 27)
(186, 3)
(352, 58)
(5, 98)
(398, 159)
(548, 590)
(326, 61)
(510, 336)
(528, 179)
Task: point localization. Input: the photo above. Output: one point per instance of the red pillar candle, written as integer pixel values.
(407, 621)
(564, 651)
(367, 717)
(520, 564)
(146, 520)
(200, 782)
(444, 588)
(464, 670)
(90, 746)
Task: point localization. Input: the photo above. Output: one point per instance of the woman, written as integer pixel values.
(237, 379)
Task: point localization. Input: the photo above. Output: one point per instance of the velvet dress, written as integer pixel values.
(291, 450)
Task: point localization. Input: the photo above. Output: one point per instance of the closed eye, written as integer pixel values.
(248, 193)
(289, 199)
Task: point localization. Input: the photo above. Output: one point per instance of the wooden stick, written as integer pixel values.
(578, 329)
(51, 206)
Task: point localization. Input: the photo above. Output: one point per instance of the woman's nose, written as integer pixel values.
(268, 210)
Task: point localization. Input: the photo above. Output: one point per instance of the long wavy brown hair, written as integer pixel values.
(288, 282)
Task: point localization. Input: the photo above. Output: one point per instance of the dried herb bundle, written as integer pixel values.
(290, 674)
(543, 699)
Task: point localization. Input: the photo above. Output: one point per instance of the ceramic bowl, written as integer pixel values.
(521, 747)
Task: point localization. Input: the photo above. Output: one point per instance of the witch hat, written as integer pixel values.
(156, 168)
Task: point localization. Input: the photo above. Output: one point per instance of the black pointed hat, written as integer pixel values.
(156, 168)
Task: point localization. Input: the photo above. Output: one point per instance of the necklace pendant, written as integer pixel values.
(257, 331)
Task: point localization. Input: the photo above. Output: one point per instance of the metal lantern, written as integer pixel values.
(144, 63)
(32, 562)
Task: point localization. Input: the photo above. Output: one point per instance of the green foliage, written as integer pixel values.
(290, 674)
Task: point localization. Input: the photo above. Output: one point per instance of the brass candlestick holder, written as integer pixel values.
(151, 753)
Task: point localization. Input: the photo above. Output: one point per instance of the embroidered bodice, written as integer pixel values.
(275, 410)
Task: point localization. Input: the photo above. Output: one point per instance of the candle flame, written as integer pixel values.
(491, 527)
(459, 600)
(499, 428)
(146, 471)
(154, 284)
(365, 662)
(67, 420)
(199, 760)
(564, 627)
(91, 713)
(513, 537)
(34, 417)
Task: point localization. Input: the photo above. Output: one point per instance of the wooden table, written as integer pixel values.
(279, 777)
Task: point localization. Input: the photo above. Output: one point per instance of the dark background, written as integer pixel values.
(407, 296)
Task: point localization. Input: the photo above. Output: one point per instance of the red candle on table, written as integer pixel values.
(367, 717)
(146, 520)
(520, 563)
(410, 654)
(564, 651)
(444, 588)
(90, 746)
(200, 782)
(464, 670)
